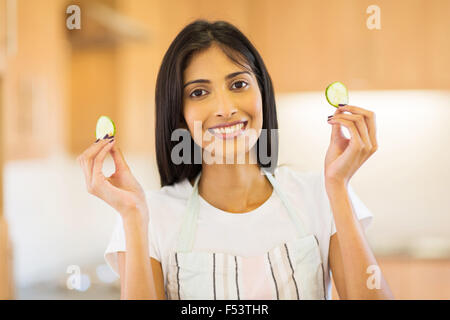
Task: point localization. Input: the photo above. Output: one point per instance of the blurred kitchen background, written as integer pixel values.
(55, 82)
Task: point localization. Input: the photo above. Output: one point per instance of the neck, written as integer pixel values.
(235, 188)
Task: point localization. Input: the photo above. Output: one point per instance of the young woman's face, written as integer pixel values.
(225, 93)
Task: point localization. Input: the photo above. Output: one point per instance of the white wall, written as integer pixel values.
(406, 183)
(55, 223)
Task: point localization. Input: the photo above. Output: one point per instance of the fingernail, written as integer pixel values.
(111, 141)
(110, 137)
(97, 140)
(342, 105)
(106, 135)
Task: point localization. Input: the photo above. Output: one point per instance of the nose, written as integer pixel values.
(225, 107)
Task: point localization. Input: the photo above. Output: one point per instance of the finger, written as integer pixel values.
(369, 118)
(119, 160)
(360, 125)
(85, 171)
(88, 159)
(355, 139)
(336, 132)
(97, 174)
(96, 147)
(83, 161)
(85, 158)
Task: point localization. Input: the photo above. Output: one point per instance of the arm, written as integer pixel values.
(335, 261)
(350, 254)
(140, 279)
(158, 276)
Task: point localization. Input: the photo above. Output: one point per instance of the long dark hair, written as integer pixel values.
(195, 37)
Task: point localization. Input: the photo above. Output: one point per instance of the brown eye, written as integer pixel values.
(241, 86)
(196, 95)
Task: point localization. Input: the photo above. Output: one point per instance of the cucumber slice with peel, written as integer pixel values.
(105, 126)
(336, 94)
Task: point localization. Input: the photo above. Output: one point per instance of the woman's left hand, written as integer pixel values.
(345, 156)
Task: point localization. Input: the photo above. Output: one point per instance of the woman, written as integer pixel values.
(227, 222)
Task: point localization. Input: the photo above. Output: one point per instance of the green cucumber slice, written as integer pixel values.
(336, 94)
(105, 126)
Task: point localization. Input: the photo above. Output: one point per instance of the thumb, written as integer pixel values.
(119, 160)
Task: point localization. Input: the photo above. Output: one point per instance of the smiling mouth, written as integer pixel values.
(229, 132)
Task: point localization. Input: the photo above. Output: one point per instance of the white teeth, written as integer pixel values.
(229, 129)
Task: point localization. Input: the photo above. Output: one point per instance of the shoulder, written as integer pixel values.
(166, 202)
(176, 191)
(307, 186)
(295, 177)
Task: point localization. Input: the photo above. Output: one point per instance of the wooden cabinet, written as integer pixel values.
(93, 92)
(308, 44)
(35, 80)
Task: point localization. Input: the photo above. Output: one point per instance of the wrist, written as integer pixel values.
(135, 219)
(136, 232)
(135, 213)
(335, 188)
(136, 237)
(335, 183)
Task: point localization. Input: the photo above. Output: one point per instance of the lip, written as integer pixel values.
(229, 135)
(229, 124)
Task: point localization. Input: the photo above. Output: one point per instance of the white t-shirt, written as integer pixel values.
(245, 234)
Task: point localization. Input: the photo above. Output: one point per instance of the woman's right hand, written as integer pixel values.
(121, 190)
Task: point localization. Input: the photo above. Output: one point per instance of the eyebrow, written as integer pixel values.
(231, 75)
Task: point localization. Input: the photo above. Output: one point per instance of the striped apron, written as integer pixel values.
(290, 271)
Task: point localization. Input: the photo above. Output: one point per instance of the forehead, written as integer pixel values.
(210, 63)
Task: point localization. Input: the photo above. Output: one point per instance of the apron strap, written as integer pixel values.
(185, 241)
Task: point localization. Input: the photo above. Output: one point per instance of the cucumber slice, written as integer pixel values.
(105, 126)
(336, 94)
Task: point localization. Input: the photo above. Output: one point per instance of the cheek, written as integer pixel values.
(254, 105)
(191, 114)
